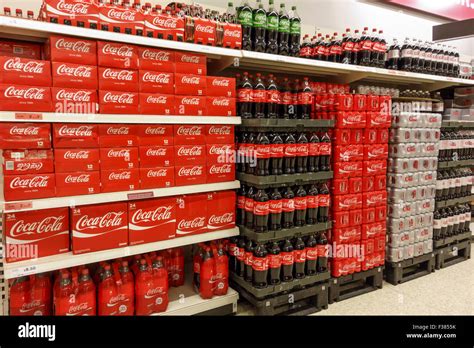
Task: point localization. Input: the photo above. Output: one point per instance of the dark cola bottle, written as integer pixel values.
(322, 253)
(335, 52)
(444, 223)
(365, 50)
(277, 151)
(311, 249)
(286, 99)
(240, 267)
(300, 206)
(293, 108)
(439, 186)
(393, 60)
(249, 247)
(415, 56)
(374, 54)
(259, 97)
(467, 217)
(347, 47)
(323, 203)
(241, 148)
(288, 208)
(302, 154)
(275, 209)
(306, 47)
(313, 154)
(274, 263)
(241, 196)
(287, 261)
(290, 155)
(381, 49)
(295, 32)
(262, 153)
(305, 99)
(436, 225)
(327, 48)
(261, 211)
(406, 56)
(319, 48)
(250, 165)
(428, 68)
(422, 59)
(244, 95)
(233, 253)
(450, 214)
(300, 258)
(259, 28)
(456, 213)
(283, 32)
(260, 267)
(249, 205)
(245, 19)
(356, 49)
(312, 201)
(273, 97)
(272, 29)
(325, 153)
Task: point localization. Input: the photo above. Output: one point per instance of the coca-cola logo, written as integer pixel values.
(108, 220)
(73, 45)
(24, 131)
(77, 96)
(73, 310)
(190, 151)
(190, 59)
(22, 167)
(190, 101)
(161, 56)
(33, 93)
(375, 167)
(155, 130)
(120, 75)
(125, 153)
(226, 218)
(219, 149)
(30, 66)
(126, 16)
(221, 102)
(47, 225)
(79, 71)
(160, 213)
(189, 131)
(33, 305)
(152, 99)
(232, 33)
(194, 171)
(220, 130)
(79, 131)
(152, 152)
(222, 169)
(73, 7)
(77, 179)
(349, 202)
(191, 224)
(221, 82)
(192, 80)
(160, 78)
(376, 198)
(35, 182)
(124, 98)
(154, 292)
(122, 51)
(209, 29)
(118, 130)
(353, 119)
(160, 173)
(114, 300)
(78, 155)
(164, 22)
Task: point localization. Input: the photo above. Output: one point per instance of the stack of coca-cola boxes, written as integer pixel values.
(326, 100)
(359, 185)
(413, 164)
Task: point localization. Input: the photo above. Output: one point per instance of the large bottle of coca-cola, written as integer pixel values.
(300, 206)
(322, 253)
(261, 211)
(244, 94)
(241, 196)
(273, 97)
(262, 154)
(355, 51)
(319, 48)
(300, 258)
(305, 99)
(250, 165)
(249, 206)
(260, 267)
(302, 154)
(248, 259)
(335, 51)
(327, 47)
(240, 266)
(374, 54)
(245, 18)
(312, 205)
(313, 154)
(283, 32)
(277, 151)
(290, 155)
(415, 56)
(406, 56)
(323, 203)
(325, 153)
(233, 253)
(365, 49)
(306, 47)
(288, 208)
(274, 263)
(347, 47)
(275, 209)
(381, 49)
(287, 261)
(393, 60)
(295, 32)
(272, 29)
(259, 97)
(286, 99)
(259, 28)
(311, 249)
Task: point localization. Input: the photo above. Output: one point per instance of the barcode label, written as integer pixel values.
(9, 165)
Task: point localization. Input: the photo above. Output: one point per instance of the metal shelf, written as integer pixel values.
(51, 263)
(285, 123)
(453, 164)
(280, 180)
(284, 233)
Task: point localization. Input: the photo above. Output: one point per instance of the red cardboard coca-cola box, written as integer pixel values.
(220, 172)
(374, 199)
(27, 162)
(118, 158)
(25, 98)
(368, 215)
(189, 134)
(370, 136)
(23, 71)
(342, 136)
(119, 180)
(125, 80)
(355, 185)
(117, 55)
(219, 134)
(71, 50)
(156, 59)
(340, 186)
(346, 234)
(220, 153)
(351, 119)
(115, 102)
(191, 215)
(77, 101)
(99, 227)
(380, 182)
(155, 134)
(347, 202)
(157, 104)
(71, 12)
(75, 135)
(204, 31)
(348, 153)
(164, 26)
(348, 169)
(232, 36)
(378, 120)
(156, 82)
(190, 106)
(220, 106)
(190, 175)
(373, 230)
(120, 19)
(12, 48)
(368, 184)
(37, 233)
(381, 213)
(190, 63)
(187, 84)
(221, 210)
(69, 75)
(156, 156)
(77, 183)
(221, 86)
(28, 186)
(118, 135)
(375, 152)
(341, 219)
(76, 160)
(378, 167)
(355, 217)
(25, 135)
(157, 177)
(189, 154)
(151, 220)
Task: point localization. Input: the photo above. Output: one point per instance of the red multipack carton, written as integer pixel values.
(164, 26)
(155, 134)
(27, 162)
(220, 106)
(157, 177)
(156, 59)
(191, 215)
(190, 63)
(190, 105)
(220, 172)
(232, 35)
(368, 215)
(185, 155)
(351, 119)
(204, 32)
(70, 50)
(156, 82)
(111, 79)
(221, 86)
(25, 98)
(23, 71)
(76, 101)
(25, 136)
(187, 84)
(35, 234)
(348, 153)
(157, 104)
(378, 120)
(151, 220)
(190, 175)
(375, 152)
(99, 227)
(120, 19)
(28, 186)
(374, 230)
(117, 55)
(220, 210)
(348, 169)
(219, 134)
(114, 102)
(157, 156)
(77, 183)
(220, 153)
(378, 167)
(119, 180)
(189, 134)
(374, 199)
(118, 135)
(75, 135)
(21, 49)
(355, 217)
(340, 186)
(77, 13)
(347, 202)
(346, 235)
(76, 160)
(355, 185)
(118, 158)
(69, 75)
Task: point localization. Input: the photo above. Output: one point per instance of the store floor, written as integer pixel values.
(449, 291)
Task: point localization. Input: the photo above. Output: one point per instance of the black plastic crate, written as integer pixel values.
(406, 270)
(453, 254)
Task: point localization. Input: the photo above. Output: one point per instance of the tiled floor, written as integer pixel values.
(449, 291)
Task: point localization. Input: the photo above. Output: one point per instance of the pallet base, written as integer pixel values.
(406, 270)
(453, 254)
(345, 287)
(438, 244)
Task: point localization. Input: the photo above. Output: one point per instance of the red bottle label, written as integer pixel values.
(275, 207)
(288, 205)
(312, 202)
(261, 208)
(274, 261)
(260, 264)
(300, 256)
(287, 258)
(300, 203)
(312, 253)
(323, 200)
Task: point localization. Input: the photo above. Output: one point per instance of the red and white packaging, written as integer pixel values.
(191, 215)
(375, 152)
(25, 98)
(114, 102)
(118, 135)
(43, 232)
(348, 169)
(71, 12)
(351, 119)
(156, 59)
(204, 31)
(157, 177)
(190, 106)
(232, 36)
(221, 86)
(220, 153)
(348, 153)
(117, 55)
(189, 63)
(347, 202)
(355, 185)
(75, 135)
(190, 175)
(340, 186)
(155, 134)
(119, 180)
(77, 183)
(346, 235)
(71, 50)
(374, 230)
(374, 199)
(120, 19)
(185, 155)
(157, 104)
(221, 210)
(28, 186)
(156, 82)
(220, 172)
(23, 71)
(27, 162)
(76, 160)
(156, 156)
(99, 227)
(25, 136)
(22, 49)
(189, 134)
(378, 167)
(118, 158)
(219, 134)
(378, 120)
(187, 84)
(151, 220)
(125, 80)
(70, 75)
(220, 106)
(164, 26)
(77, 101)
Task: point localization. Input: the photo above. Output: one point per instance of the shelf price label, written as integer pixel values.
(24, 271)
(141, 195)
(28, 116)
(18, 206)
